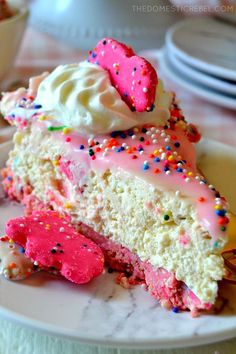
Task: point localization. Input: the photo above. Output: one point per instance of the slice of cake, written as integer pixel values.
(123, 167)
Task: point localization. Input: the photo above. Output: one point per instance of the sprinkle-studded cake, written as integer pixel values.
(102, 142)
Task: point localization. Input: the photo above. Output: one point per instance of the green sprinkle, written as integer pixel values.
(216, 244)
(52, 129)
(223, 228)
(166, 217)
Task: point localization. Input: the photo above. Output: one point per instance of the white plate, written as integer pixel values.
(198, 89)
(206, 44)
(104, 313)
(200, 76)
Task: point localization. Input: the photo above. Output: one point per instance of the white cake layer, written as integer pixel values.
(125, 209)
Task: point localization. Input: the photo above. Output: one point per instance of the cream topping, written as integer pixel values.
(81, 96)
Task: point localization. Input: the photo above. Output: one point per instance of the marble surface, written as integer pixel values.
(207, 44)
(102, 312)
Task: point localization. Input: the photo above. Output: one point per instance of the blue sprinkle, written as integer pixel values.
(9, 178)
(168, 147)
(145, 167)
(94, 55)
(179, 169)
(16, 161)
(140, 149)
(81, 147)
(114, 134)
(22, 250)
(166, 168)
(123, 135)
(177, 144)
(175, 309)
(37, 106)
(24, 99)
(119, 149)
(130, 133)
(221, 212)
(157, 159)
(126, 94)
(122, 148)
(96, 62)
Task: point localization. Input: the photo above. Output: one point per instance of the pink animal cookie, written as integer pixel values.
(52, 241)
(134, 77)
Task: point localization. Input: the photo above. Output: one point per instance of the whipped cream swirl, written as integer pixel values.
(81, 96)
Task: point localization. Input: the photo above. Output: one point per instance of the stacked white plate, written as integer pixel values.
(200, 54)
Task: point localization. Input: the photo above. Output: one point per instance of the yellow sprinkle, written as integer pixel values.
(181, 124)
(218, 207)
(190, 174)
(171, 158)
(68, 205)
(155, 152)
(42, 117)
(47, 226)
(56, 162)
(66, 131)
(18, 138)
(11, 241)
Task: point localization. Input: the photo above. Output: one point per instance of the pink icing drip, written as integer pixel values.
(81, 161)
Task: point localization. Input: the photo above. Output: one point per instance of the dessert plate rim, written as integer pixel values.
(198, 63)
(200, 76)
(10, 311)
(206, 93)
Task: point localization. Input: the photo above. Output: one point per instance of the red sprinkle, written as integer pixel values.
(68, 139)
(223, 220)
(175, 113)
(201, 199)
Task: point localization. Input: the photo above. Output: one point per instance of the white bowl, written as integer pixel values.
(11, 33)
(82, 24)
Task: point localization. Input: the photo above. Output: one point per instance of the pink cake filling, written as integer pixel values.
(162, 284)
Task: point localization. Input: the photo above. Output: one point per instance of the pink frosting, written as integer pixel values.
(185, 182)
(162, 157)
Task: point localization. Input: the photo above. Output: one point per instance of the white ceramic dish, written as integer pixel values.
(201, 77)
(11, 34)
(198, 89)
(206, 44)
(83, 23)
(102, 312)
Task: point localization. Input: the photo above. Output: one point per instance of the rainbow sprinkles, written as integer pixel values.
(102, 143)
